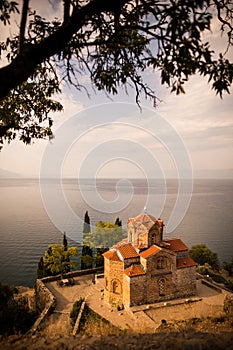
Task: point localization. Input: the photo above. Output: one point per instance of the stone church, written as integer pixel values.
(145, 268)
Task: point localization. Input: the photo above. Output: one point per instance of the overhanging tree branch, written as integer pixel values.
(30, 56)
(23, 24)
(113, 42)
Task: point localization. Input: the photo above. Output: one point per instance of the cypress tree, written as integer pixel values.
(86, 250)
(66, 259)
(86, 225)
(118, 222)
(41, 268)
(64, 242)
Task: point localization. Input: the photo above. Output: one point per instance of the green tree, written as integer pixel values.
(87, 253)
(113, 42)
(86, 224)
(65, 242)
(118, 222)
(98, 258)
(228, 266)
(86, 261)
(203, 255)
(57, 258)
(204, 269)
(104, 235)
(86, 257)
(65, 245)
(41, 269)
(229, 284)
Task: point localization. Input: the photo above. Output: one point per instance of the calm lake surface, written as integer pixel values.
(26, 229)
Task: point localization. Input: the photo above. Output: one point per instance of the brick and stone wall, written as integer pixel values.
(137, 235)
(162, 262)
(113, 275)
(134, 290)
(164, 278)
(160, 287)
(128, 262)
(186, 281)
(155, 235)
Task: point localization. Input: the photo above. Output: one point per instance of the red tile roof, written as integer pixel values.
(150, 251)
(127, 251)
(111, 255)
(175, 244)
(145, 219)
(165, 244)
(134, 270)
(185, 262)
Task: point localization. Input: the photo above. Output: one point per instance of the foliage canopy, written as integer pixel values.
(112, 42)
(86, 224)
(228, 266)
(105, 235)
(56, 259)
(204, 256)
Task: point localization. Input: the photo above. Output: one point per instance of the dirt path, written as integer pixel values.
(59, 321)
(141, 319)
(209, 304)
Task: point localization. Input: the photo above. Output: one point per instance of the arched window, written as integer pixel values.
(161, 263)
(161, 287)
(116, 287)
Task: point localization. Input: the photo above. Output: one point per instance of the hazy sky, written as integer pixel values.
(113, 138)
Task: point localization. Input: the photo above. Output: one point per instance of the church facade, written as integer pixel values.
(145, 268)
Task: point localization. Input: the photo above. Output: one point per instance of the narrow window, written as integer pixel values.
(162, 287)
(153, 238)
(106, 283)
(116, 288)
(160, 264)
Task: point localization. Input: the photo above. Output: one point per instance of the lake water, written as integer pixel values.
(27, 229)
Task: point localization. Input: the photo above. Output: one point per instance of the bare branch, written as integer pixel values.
(220, 7)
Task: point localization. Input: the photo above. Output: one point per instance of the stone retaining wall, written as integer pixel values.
(211, 285)
(71, 274)
(45, 300)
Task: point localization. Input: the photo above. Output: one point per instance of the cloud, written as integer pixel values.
(203, 121)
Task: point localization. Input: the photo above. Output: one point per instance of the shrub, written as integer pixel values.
(218, 278)
(228, 266)
(204, 269)
(202, 255)
(220, 319)
(92, 323)
(228, 305)
(15, 315)
(229, 284)
(75, 311)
